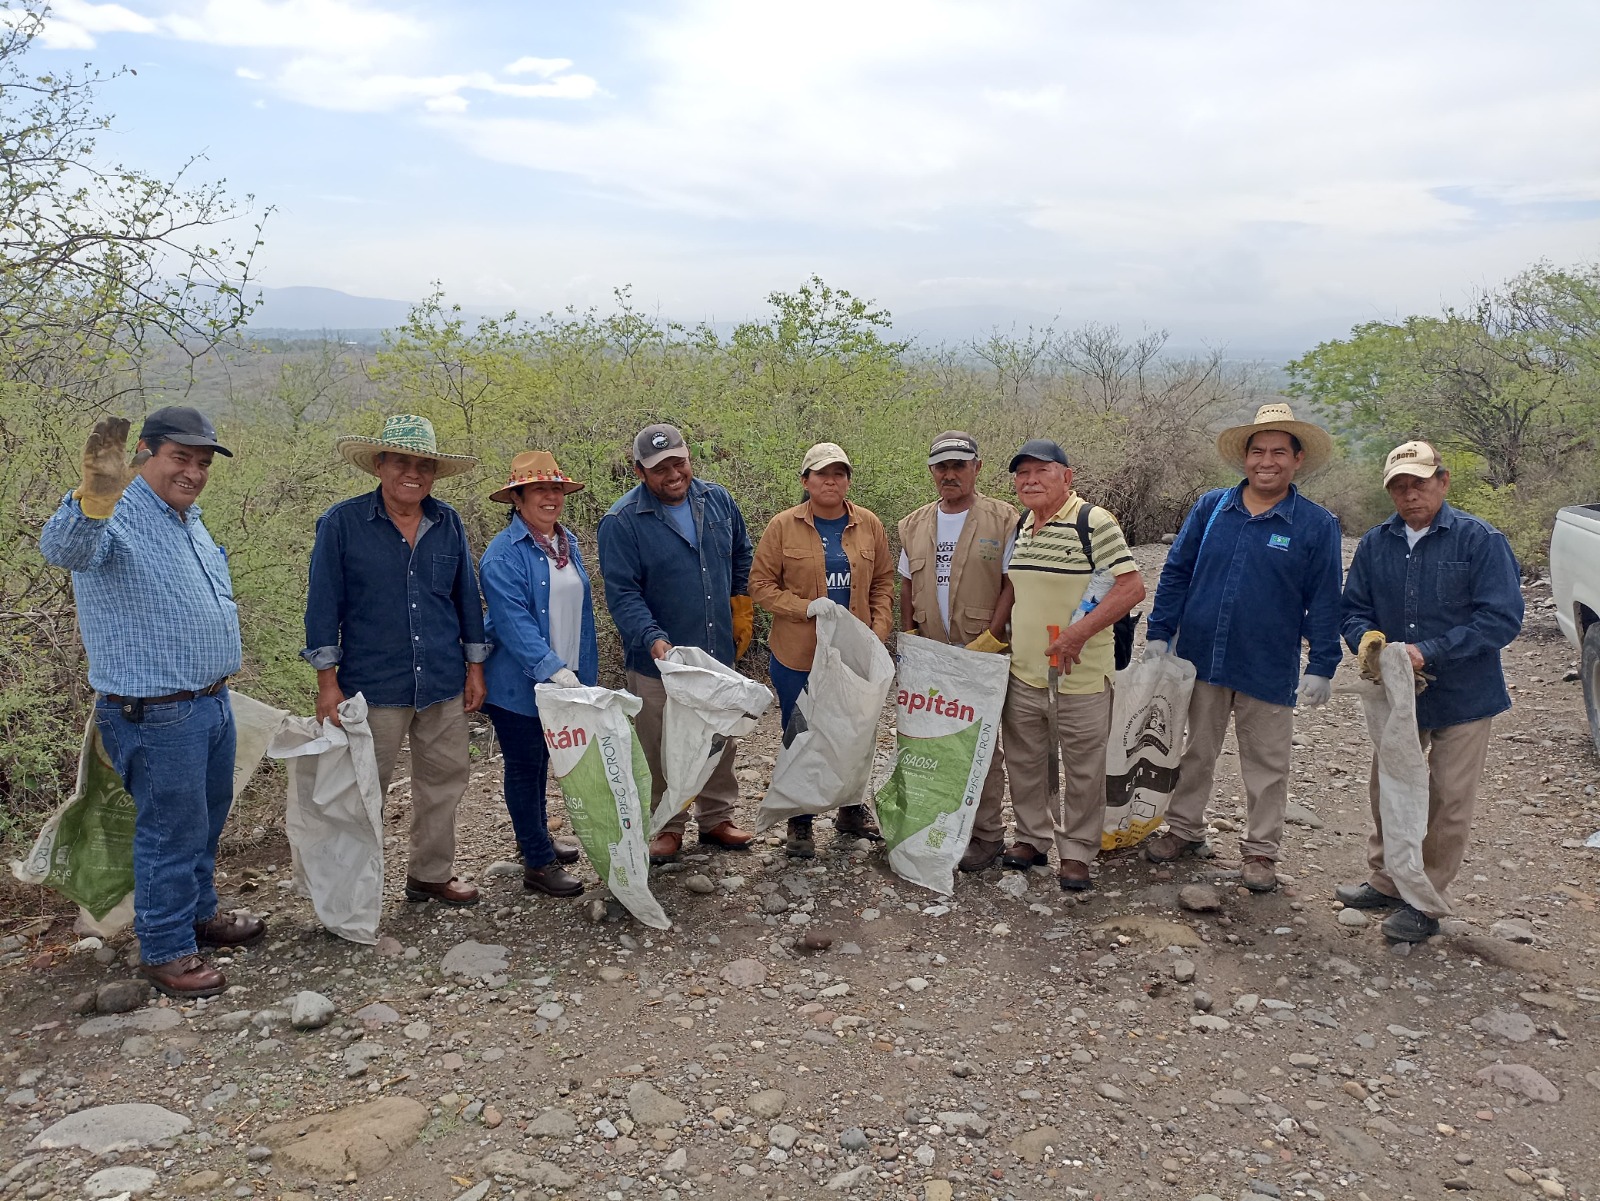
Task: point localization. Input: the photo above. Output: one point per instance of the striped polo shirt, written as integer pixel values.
(1050, 574)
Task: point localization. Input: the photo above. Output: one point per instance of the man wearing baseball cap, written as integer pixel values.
(1447, 586)
(675, 555)
(156, 610)
(952, 554)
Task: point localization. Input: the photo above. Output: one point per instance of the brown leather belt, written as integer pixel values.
(171, 698)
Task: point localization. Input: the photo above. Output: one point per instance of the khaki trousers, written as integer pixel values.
(1266, 734)
(988, 824)
(1456, 756)
(440, 761)
(717, 799)
(1074, 825)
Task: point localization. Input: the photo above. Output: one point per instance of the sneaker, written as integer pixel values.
(799, 842)
(1170, 846)
(979, 855)
(1409, 925)
(856, 820)
(1258, 873)
(1364, 896)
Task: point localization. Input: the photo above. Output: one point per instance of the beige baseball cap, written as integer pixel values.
(1411, 458)
(823, 454)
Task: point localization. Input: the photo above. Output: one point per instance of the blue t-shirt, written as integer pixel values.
(835, 563)
(682, 518)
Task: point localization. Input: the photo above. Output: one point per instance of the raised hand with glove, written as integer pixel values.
(1372, 644)
(106, 470)
(744, 624)
(1313, 691)
(820, 606)
(565, 678)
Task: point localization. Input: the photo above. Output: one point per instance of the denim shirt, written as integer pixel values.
(155, 603)
(658, 586)
(1264, 584)
(400, 622)
(515, 575)
(1456, 596)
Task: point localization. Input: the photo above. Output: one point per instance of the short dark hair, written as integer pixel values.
(1294, 443)
(848, 474)
(155, 442)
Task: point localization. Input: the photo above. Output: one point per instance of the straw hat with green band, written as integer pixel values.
(1315, 441)
(406, 434)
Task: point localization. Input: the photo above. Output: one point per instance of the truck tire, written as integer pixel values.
(1591, 679)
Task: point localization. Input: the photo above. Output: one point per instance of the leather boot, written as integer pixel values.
(190, 976)
(450, 892)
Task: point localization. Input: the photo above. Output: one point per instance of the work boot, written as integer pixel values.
(727, 836)
(1364, 896)
(1074, 876)
(857, 821)
(1407, 925)
(1022, 856)
(551, 879)
(229, 930)
(664, 847)
(189, 976)
(449, 892)
(1169, 847)
(567, 849)
(798, 841)
(1258, 873)
(980, 854)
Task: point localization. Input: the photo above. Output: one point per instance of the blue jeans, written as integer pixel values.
(788, 684)
(177, 764)
(527, 768)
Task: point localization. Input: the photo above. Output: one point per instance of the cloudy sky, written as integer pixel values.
(1250, 172)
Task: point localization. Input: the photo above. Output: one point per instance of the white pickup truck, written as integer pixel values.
(1575, 579)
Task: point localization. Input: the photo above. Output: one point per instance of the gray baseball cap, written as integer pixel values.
(953, 444)
(657, 442)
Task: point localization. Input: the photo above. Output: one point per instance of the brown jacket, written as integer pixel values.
(788, 574)
(975, 570)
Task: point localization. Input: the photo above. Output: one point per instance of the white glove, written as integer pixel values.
(1313, 691)
(566, 678)
(1158, 647)
(821, 605)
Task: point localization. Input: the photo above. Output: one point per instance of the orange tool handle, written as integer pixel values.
(1054, 632)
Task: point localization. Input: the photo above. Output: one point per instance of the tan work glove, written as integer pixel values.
(744, 624)
(989, 644)
(1372, 644)
(106, 471)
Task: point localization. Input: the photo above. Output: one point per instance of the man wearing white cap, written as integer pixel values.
(1446, 585)
(1253, 573)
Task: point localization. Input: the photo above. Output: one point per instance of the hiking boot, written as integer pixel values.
(1074, 876)
(1409, 925)
(980, 854)
(1021, 857)
(551, 879)
(857, 821)
(190, 976)
(1169, 847)
(1364, 896)
(1258, 873)
(798, 841)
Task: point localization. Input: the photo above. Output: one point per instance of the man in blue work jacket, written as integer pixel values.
(1253, 573)
(676, 556)
(1446, 585)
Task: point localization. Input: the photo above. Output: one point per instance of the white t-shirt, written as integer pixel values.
(1414, 536)
(566, 613)
(944, 553)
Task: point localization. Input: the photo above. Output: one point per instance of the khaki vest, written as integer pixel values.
(975, 569)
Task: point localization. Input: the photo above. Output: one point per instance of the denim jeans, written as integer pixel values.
(788, 684)
(527, 767)
(177, 764)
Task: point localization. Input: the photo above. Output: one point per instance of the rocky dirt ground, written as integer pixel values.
(1013, 1042)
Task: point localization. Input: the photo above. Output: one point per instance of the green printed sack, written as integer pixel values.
(596, 758)
(948, 704)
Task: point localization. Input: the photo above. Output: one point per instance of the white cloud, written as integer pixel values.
(542, 67)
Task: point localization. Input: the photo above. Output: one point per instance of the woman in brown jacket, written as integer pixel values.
(823, 547)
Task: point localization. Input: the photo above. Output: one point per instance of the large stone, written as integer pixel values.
(553, 1123)
(1356, 1145)
(124, 1180)
(841, 1181)
(121, 996)
(376, 1015)
(311, 1011)
(526, 1169)
(357, 1138)
(1297, 814)
(146, 1020)
(1029, 1147)
(474, 959)
(1230, 1096)
(937, 1190)
(651, 1108)
(107, 1128)
(200, 1182)
(1159, 931)
(1520, 1078)
(1200, 898)
(768, 1103)
(745, 973)
(1513, 1027)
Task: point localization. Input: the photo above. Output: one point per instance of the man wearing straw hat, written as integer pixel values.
(392, 612)
(1253, 573)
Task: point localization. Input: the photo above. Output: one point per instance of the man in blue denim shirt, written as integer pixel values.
(675, 555)
(1253, 573)
(393, 612)
(1447, 586)
(159, 623)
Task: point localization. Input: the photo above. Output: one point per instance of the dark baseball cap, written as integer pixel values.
(953, 444)
(656, 442)
(1042, 449)
(185, 426)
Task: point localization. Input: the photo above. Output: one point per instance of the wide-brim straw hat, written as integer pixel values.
(1315, 441)
(534, 467)
(406, 434)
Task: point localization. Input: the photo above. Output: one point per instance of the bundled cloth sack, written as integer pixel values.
(948, 719)
(708, 703)
(1148, 714)
(85, 850)
(334, 818)
(826, 760)
(1391, 711)
(596, 758)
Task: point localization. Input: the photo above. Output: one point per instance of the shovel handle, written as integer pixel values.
(1054, 632)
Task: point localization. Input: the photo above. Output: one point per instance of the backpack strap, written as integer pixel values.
(1211, 521)
(1081, 524)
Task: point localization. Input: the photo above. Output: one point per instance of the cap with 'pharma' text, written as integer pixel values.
(183, 425)
(953, 444)
(1042, 449)
(1411, 458)
(654, 443)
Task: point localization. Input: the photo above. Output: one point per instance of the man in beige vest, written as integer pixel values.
(951, 559)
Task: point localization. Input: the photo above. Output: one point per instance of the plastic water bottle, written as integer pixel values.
(1099, 584)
